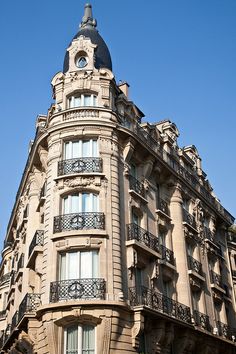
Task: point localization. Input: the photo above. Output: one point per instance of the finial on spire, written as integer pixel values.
(88, 21)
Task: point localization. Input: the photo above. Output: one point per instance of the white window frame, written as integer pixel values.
(92, 203)
(80, 328)
(92, 98)
(75, 148)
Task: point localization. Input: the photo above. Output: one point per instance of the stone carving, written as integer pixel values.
(198, 212)
(137, 328)
(82, 182)
(107, 336)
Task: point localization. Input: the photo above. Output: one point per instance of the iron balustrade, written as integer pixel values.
(43, 191)
(208, 234)
(77, 113)
(12, 279)
(38, 240)
(216, 279)
(225, 331)
(163, 206)
(74, 289)
(20, 263)
(79, 221)
(159, 302)
(80, 165)
(136, 185)
(167, 255)
(189, 177)
(14, 321)
(189, 219)
(143, 236)
(3, 314)
(202, 320)
(194, 265)
(5, 278)
(29, 305)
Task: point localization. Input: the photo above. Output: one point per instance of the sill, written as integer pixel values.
(196, 275)
(137, 195)
(162, 214)
(144, 248)
(217, 288)
(80, 233)
(190, 227)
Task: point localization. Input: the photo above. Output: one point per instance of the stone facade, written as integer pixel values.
(116, 242)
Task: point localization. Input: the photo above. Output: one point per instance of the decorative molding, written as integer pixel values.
(137, 328)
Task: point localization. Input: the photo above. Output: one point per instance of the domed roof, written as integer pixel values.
(88, 29)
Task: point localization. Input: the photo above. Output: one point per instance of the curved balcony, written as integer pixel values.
(74, 289)
(79, 221)
(80, 165)
(159, 302)
(143, 236)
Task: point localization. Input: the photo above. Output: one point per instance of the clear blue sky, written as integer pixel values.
(179, 58)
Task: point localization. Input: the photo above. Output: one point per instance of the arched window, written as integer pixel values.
(79, 339)
(82, 100)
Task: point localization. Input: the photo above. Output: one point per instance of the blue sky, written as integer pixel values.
(179, 58)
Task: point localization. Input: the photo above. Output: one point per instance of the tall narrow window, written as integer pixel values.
(79, 340)
(79, 265)
(79, 203)
(81, 148)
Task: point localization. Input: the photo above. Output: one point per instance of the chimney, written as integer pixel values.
(124, 86)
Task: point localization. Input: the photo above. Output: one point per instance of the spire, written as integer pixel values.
(88, 21)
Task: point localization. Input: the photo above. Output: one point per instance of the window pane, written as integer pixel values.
(75, 149)
(86, 265)
(86, 148)
(88, 342)
(72, 340)
(67, 152)
(73, 271)
(94, 148)
(63, 266)
(66, 205)
(75, 207)
(87, 100)
(95, 100)
(77, 101)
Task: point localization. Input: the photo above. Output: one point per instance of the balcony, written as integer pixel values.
(80, 165)
(202, 320)
(20, 263)
(136, 186)
(167, 255)
(74, 289)
(143, 236)
(79, 221)
(3, 314)
(5, 278)
(163, 207)
(194, 265)
(29, 305)
(159, 302)
(37, 240)
(216, 279)
(225, 331)
(189, 219)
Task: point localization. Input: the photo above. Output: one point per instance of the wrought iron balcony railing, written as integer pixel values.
(5, 278)
(167, 255)
(28, 305)
(216, 279)
(74, 289)
(79, 221)
(80, 165)
(159, 302)
(20, 263)
(202, 320)
(143, 236)
(163, 206)
(137, 186)
(194, 265)
(225, 331)
(189, 219)
(12, 279)
(208, 234)
(37, 240)
(15, 320)
(43, 191)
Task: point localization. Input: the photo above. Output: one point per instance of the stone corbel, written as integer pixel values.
(137, 328)
(128, 150)
(147, 167)
(43, 154)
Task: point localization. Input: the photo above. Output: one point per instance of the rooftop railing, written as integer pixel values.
(159, 302)
(79, 221)
(74, 289)
(143, 236)
(80, 165)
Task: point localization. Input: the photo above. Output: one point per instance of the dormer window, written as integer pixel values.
(81, 62)
(83, 100)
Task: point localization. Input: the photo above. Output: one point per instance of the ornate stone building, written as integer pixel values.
(116, 242)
